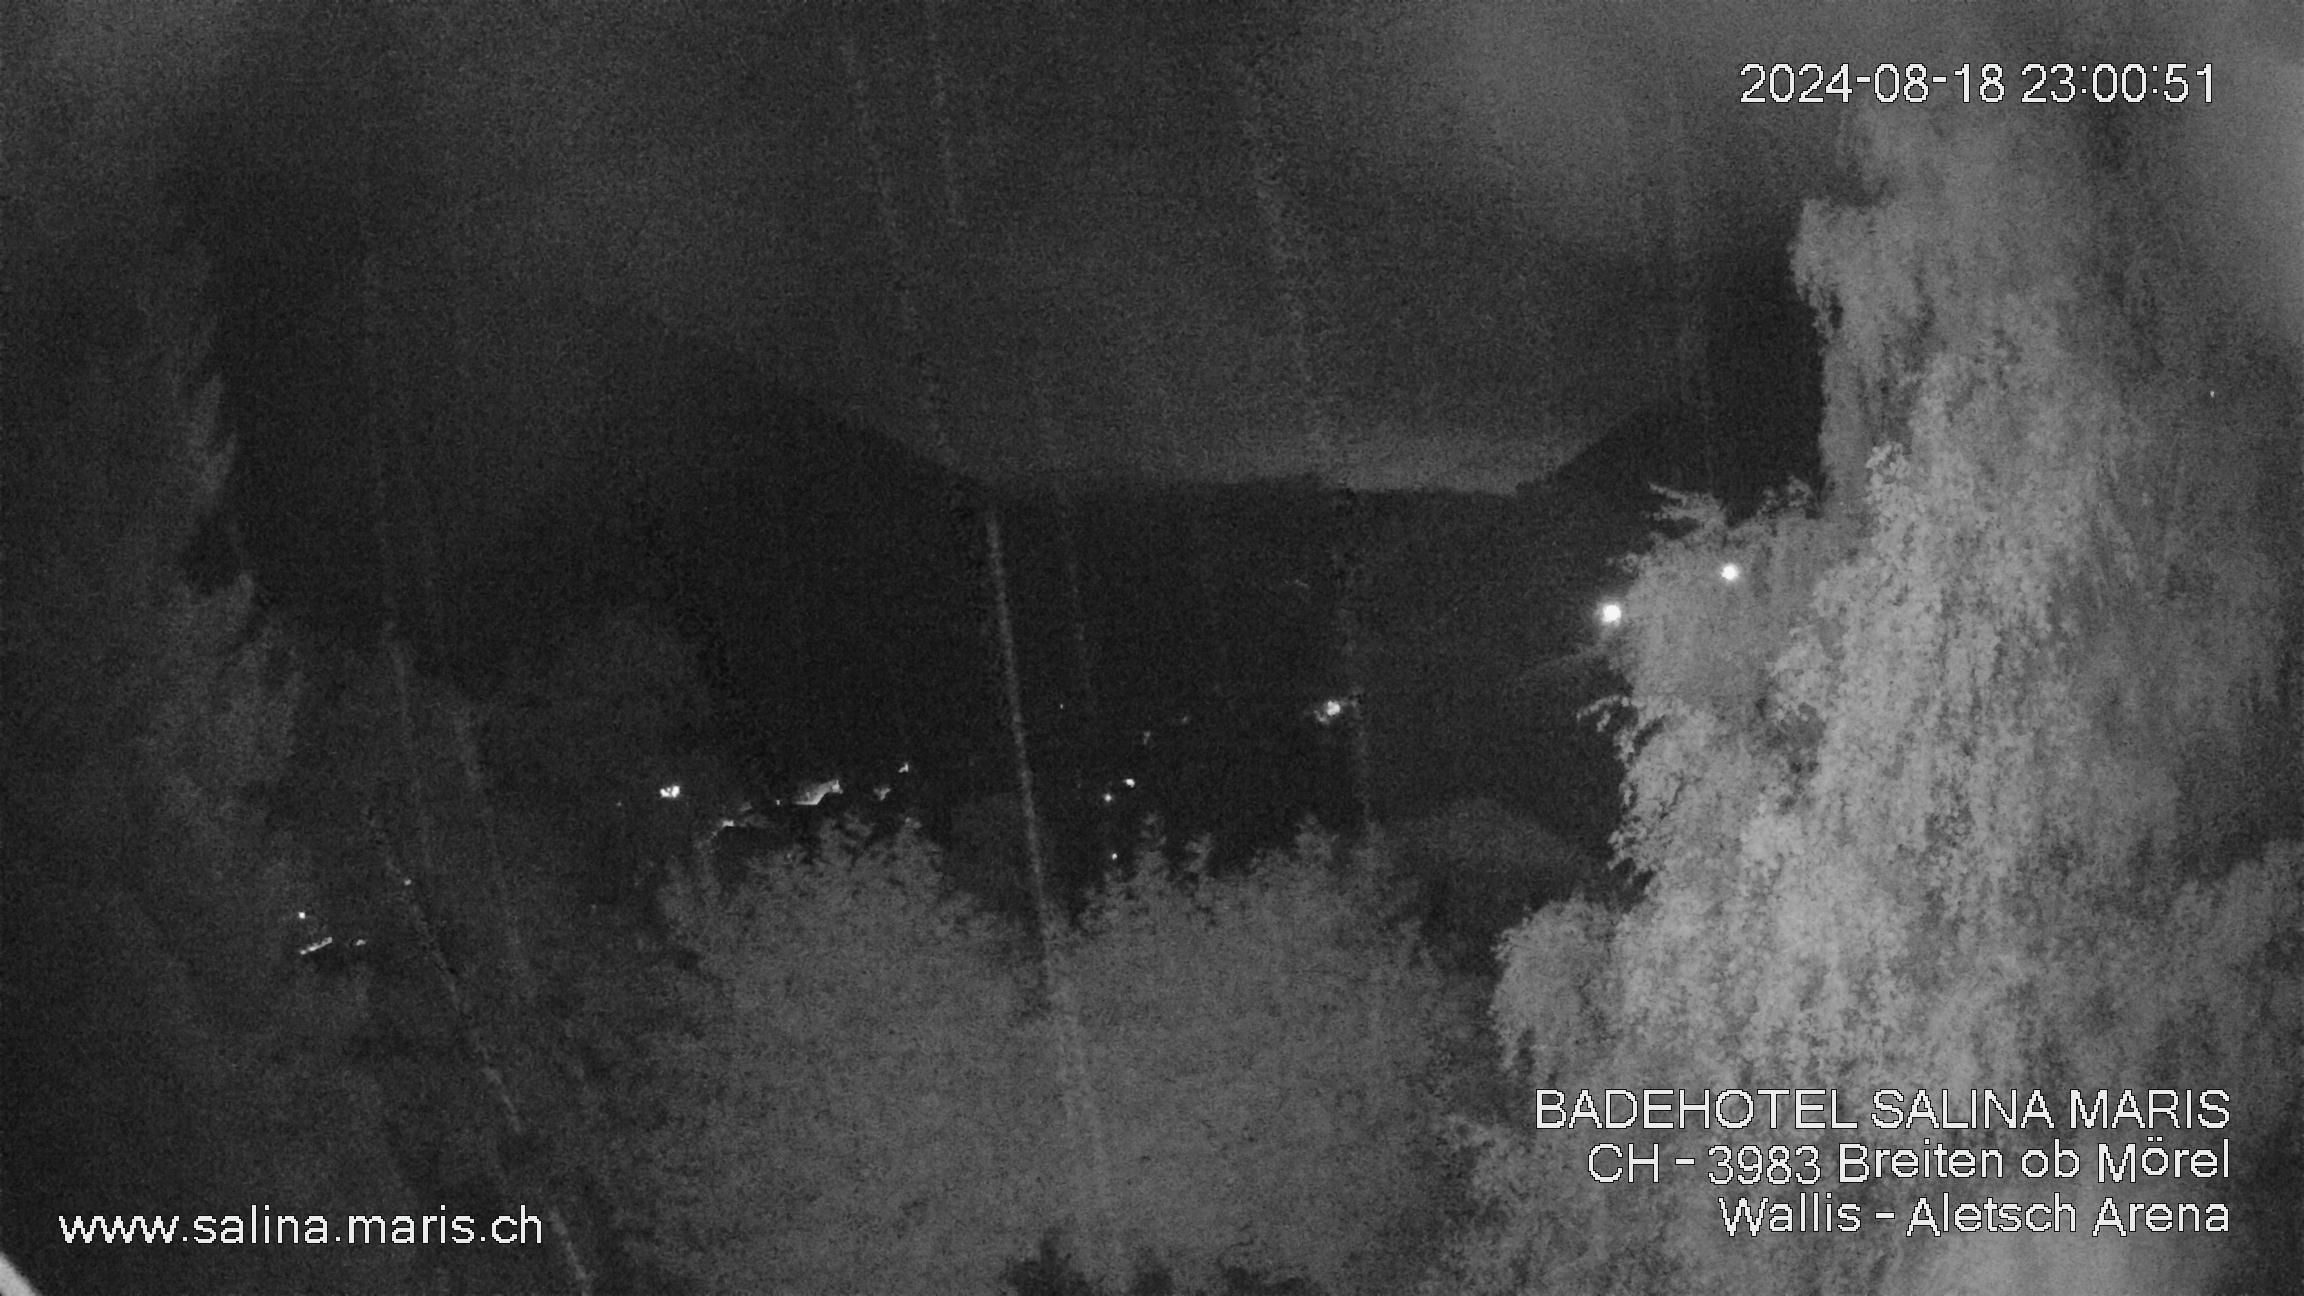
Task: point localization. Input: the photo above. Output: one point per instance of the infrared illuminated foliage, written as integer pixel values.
(857, 1099)
(1961, 787)
(1261, 1048)
(862, 1093)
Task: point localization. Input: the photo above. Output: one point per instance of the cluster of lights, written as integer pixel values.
(809, 794)
(316, 944)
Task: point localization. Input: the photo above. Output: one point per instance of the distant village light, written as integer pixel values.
(810, 794)
(1611, 613)
(1731, 573)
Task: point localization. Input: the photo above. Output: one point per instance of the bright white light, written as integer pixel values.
(1731, 573)
(669, 792)
(1329, 710)
(1611, 613)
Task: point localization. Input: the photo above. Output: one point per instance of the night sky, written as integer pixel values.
(743, 311)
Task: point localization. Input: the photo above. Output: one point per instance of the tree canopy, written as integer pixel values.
(1970, 784)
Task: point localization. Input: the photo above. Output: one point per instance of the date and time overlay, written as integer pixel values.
(1979, 83)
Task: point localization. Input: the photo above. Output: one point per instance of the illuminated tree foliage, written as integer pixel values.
(1261, 1049)
(1960, 789)
(1474, 870)
(861, 1092)
(858, 1101)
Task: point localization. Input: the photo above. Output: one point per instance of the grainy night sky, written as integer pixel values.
(616, 276)
(1486, 191)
